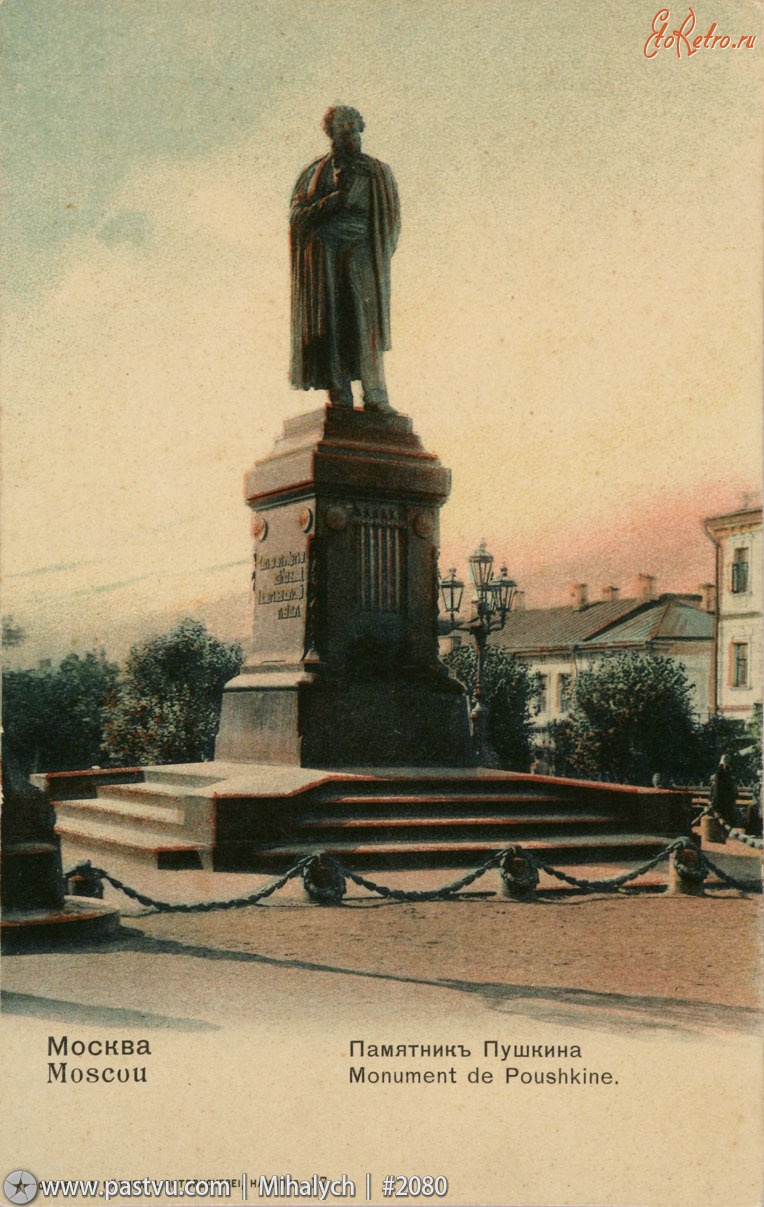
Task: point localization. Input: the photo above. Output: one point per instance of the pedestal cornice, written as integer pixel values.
(347, 451)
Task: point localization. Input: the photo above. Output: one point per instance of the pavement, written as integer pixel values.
(635, 959)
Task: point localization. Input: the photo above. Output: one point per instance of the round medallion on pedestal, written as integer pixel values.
(423, 524)
(337, 517)
(259, 527)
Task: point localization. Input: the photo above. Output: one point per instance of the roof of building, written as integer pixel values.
(604, 623)
(532, 628)
(670, 620)
(744, 517)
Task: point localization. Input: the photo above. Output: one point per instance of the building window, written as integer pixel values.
(564, 692)
(739, 571)
(543, 686)
(739, 664)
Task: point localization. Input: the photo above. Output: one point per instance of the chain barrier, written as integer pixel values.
(750, 884)
(438, 894)
(732, 831)
(325, 880)
(688, 862)
(519, 873)
(197, 907)
(613, 882)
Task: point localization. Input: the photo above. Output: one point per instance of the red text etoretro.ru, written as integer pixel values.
(683, 40)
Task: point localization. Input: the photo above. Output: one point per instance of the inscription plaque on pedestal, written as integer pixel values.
(279, 583)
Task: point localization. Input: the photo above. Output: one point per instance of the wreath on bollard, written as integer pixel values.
(323, 880)
(84, 881)
(519, 873)
(690, 864)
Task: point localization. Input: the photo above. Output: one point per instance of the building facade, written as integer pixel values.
(736, 671)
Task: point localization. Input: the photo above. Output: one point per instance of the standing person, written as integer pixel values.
(344, 224)
(724, 791)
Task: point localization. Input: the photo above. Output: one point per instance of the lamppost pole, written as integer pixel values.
(487, 756)
(493, 601)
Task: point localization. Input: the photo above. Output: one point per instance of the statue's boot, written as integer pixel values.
(341, 396)
(378, 404)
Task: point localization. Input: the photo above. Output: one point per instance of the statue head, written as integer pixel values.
(344, 126)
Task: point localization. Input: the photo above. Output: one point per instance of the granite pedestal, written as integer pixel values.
(344, 666)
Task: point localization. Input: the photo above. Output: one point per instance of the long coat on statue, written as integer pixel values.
(314, 320)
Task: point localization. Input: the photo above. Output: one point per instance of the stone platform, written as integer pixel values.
(77, 920)
(228, 816)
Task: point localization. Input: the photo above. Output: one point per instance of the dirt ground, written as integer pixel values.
(634, 960)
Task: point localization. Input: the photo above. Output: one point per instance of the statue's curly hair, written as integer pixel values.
(344, 112)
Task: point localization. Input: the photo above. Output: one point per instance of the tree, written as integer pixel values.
(632, 717)
(561, 739)
(167, 706)
(719, 735)
(509, 690)
(753, 729)
(53, 719)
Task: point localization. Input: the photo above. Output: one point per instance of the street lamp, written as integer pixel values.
(493, 601)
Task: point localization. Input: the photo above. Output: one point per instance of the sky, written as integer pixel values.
(576, 297)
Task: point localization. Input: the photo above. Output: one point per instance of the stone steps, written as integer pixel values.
(500, 830)
(259, 818)
(189, 775)
(571, 848)
(139, 842)
(442, 800)
(112, 806)
(437, 822)
(160, 792)
(173, 826)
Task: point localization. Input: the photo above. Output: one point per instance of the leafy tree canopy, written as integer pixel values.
(633, 717)
(53, 719)
(754, 753)
(509, 690)
(717, 736)
(167, 706)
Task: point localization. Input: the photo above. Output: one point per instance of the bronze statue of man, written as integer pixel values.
(344, 223)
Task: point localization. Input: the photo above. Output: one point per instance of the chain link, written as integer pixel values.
(613, 882)
(749, 885)
(196, 907)
(333, 892)
(738, 835)
(438, 894)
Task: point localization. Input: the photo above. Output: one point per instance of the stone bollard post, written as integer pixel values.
(711, 830)
(519, 875)
(686, 873)
(84, 882)
(323, 881)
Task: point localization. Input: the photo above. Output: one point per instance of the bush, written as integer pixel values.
(167, 706)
